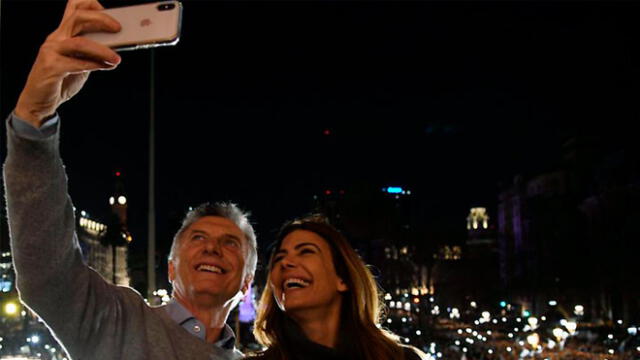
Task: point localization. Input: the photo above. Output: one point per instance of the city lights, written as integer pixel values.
(11, 308)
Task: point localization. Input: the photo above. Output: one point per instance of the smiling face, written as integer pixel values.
(303, 275)
(209, 265)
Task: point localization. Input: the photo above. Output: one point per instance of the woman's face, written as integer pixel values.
(303, 276)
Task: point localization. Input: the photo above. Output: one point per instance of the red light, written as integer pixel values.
(327, 132)
(117, 173)
(341, 192)
(327, 192)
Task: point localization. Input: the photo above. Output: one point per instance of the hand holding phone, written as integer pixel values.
(143, 26)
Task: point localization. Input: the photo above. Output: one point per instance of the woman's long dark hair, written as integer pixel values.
(361, 310)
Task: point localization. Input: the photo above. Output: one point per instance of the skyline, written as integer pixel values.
(448, 99)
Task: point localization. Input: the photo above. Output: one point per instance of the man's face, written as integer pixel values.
(208, 268)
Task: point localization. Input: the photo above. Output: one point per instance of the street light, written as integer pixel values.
(534, 340)
(11, 308)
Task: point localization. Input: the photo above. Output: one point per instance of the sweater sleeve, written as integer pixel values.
(51, 277)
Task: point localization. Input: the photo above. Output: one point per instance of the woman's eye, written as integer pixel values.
(277, 258)
(307, 251)
(197, 237)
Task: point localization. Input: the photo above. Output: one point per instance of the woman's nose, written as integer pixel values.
(287, 262)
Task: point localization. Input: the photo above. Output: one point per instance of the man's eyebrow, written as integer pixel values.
(227, 236)
(196, 231)
(231, 236)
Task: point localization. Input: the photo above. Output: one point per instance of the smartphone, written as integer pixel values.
(143, 26)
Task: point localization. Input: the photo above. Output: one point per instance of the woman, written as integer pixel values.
(321, 301)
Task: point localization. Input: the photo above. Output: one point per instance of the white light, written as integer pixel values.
(611, 351)
(389, 321)
(533, 322)
(490, 351)
(406, 340)
(495, 321)
(571, 326)
(510, 336)
(578, 310)
(468, 330)
(553, 303)
(632, 331)
(83, 213)
(392, 304)
(407, 306)
(619, 322)
(112, 201)
(486, 316)
(460, 331)
(509, 348)
(473, 304)
(610, 336)
(418, 332)
(543, 318)
(122, 200)
(533, 339)
(404, 319)
(465, 349)
(504, 319)
(387, 297)
(488, 332)
(558, 332)
(518, 320)
(35, 339)
(457, 342)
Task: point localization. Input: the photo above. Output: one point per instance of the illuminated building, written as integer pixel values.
(571, 233)
(105, 246)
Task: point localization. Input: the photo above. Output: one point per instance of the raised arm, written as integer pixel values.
(50, 274)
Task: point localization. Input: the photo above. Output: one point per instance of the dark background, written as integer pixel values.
(449, 99)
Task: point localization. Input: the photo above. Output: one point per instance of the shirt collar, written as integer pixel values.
(178, 313)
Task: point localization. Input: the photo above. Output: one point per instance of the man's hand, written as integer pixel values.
(65, 60)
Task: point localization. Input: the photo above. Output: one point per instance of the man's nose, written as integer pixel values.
(212, 246)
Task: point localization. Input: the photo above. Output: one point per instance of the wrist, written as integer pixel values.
(31, 116)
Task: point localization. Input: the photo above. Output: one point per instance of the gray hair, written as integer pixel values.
(226, 210)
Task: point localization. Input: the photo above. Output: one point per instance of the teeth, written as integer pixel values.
(289, 283)
(210, 268)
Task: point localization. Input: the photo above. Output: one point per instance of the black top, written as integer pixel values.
(301, 348)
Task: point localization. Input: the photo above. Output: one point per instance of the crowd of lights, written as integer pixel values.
(508, 331)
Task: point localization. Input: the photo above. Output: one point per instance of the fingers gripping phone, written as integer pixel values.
(143, 26)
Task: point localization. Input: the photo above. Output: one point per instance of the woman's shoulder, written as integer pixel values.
(411, 353)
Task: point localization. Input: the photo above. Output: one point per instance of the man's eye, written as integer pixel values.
(197, 237)
(231, 242)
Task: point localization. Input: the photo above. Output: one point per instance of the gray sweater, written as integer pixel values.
(90, 317)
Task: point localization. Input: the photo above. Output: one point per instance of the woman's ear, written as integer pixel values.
(342, 286)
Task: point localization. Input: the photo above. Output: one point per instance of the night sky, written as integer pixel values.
(449, 99)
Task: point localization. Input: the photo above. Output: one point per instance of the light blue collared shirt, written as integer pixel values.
(28, 131)
(184, 318)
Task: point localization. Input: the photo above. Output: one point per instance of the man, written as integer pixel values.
(213, 256)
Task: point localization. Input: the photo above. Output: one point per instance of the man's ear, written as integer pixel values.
(247, 284)
(172, 271)
(342, 286)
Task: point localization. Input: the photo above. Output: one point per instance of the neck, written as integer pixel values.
(320, 325)
(212, 316)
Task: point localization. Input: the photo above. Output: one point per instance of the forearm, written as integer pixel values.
(40, 213)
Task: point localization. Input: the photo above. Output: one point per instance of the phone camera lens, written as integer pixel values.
(165, 7)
